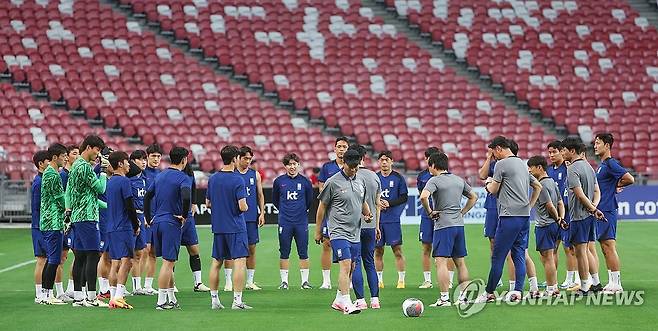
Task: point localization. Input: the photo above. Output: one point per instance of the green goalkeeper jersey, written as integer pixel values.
(52, 201)
(81, 191)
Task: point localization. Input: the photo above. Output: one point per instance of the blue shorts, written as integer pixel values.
(166, 240)
(563, 235)
(86, 236)
(449, 242)
(230, 246)
(546, 236)
(140, 239)
(37, 243)
(344, 249)
(325, 229)
(54, 245)
(583, 231)
(491, 223)
(67, 240)
(426, 230)
(189, 236)
(148, 234)
(607, 230)
(120, 244)
(288, 232)
(391, 234)
(252, 233)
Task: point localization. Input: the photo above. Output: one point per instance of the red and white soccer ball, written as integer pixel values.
(412, 307)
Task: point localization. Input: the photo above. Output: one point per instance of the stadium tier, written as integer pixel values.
(591, 66)
(341, 62)
(32, 125)
(95, 60)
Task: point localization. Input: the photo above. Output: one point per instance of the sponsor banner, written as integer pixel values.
(635, 202)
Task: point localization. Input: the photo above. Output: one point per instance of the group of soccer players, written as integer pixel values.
(118, 226)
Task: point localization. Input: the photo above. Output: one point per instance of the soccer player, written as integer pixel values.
(558, 172)
(329, 169)
(52, 221)
(122, 228)
(254, 219)
(154, 156)
(227, 196)
(171, 195)
(190, 238)
(41, 161)
(73, 153)
(550, 218)
(449, 240)
(392, 202)
(343, 199)
(138, 189)
(292, 195)
(82, 206)
(511, 183)
(104, 264)
(584, 196)
(370, 232)
(611, 177)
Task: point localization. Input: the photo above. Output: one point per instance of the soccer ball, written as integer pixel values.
(412, 307)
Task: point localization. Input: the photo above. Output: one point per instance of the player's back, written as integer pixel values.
(82, 195)
(118, 190)
(168, 200)
(550, 192)
(512, 198)
(36, 201)
(581, 175)
(249, 178)
(225, 189)
(447, 191)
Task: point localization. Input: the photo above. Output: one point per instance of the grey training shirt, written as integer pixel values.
(373, 190)
(344, 198)
(580, 174)
(447, 191)
(514, 178)
(549, 193)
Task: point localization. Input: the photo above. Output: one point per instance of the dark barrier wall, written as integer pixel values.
(271, 213)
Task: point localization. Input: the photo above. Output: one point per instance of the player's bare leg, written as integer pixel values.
(120, 277)
(400, 264)
(251, 269)
(149, 264)
(572, 267)
(213, 278)
(59, 287)
(136, 271)
(550, 271)
(343, 301)
(103, 270)
(195, 267)
(228, 274)
(166, 296)
(426, 258)
(582, 256)
(239, 269)
(38, 271)
(379, 265)
(325, 261)
(609, 248)
(531, 272)
(593, 260)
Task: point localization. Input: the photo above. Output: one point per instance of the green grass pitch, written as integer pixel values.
(304, 310)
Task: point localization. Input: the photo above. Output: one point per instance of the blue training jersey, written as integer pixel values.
(102, 212)
(36, 201)
(328, 169)
(64, 174)
(559, 175)
(117, 191)
(138, 189)
(292, 196)
(490, 200)
(249, 178)
(608, 175)
(224, 191)
(422, 179)
(168, 200)
(393, 187)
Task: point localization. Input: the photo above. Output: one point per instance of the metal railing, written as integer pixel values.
(15, 204)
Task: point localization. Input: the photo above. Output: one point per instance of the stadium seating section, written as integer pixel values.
(339, 61)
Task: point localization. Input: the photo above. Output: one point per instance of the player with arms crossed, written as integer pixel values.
(41, 161)
(52, 221)
(82, 208)
(611, 177)
(550, 218)
(171, 196)
(123, 227)
(328, 170)
(511, 183)
(292, 195)
(449, 240)
(584, 196)
(227, 196)
(392, 203)
(343, 199)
